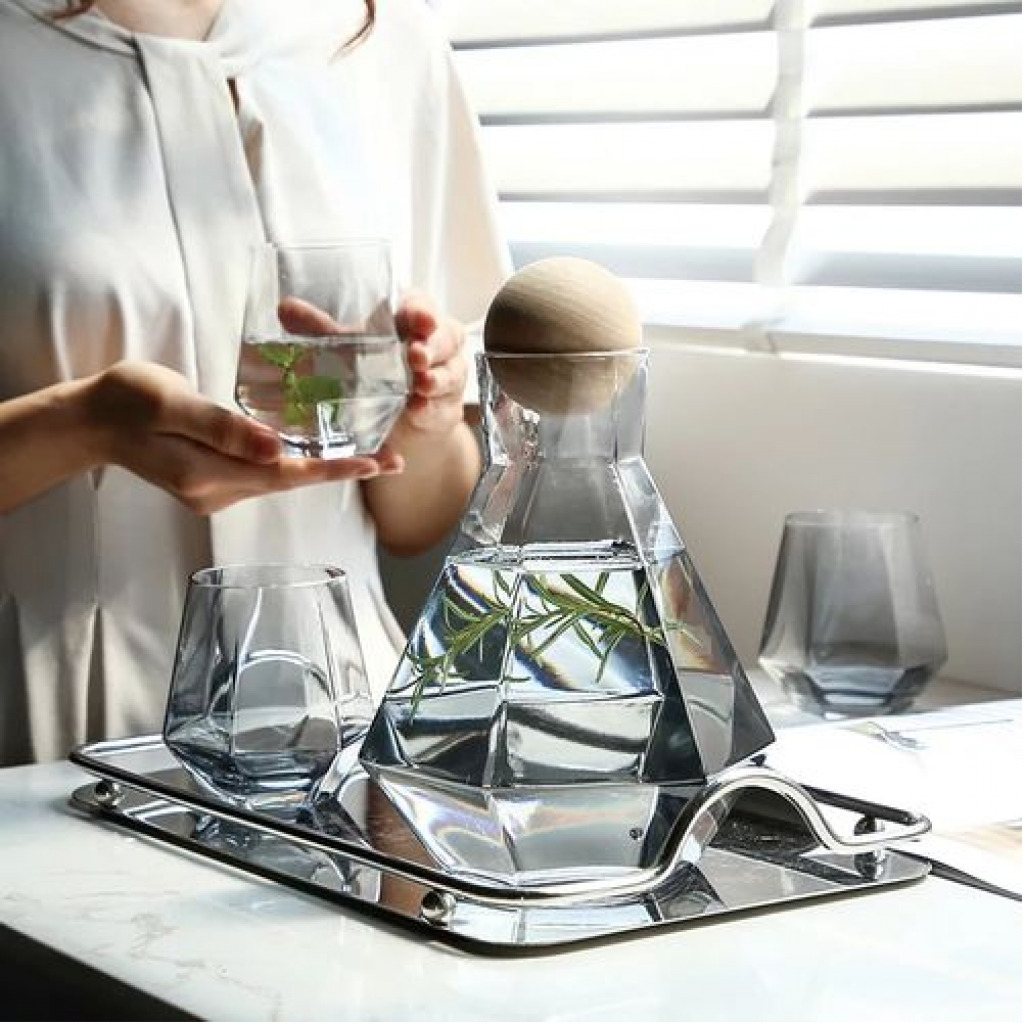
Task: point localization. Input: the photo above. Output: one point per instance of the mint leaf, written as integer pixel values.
(313, 389)
(280, 355)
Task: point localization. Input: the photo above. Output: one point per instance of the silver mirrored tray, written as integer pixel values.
(521, 870)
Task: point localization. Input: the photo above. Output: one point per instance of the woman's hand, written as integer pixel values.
(435, 354)
(437, 358)
(149, 420)
(416, 509)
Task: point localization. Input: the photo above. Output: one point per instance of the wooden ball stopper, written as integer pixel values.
(555, 308)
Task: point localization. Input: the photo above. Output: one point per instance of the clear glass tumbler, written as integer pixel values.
(853, 624)
(320, 360)
(268, 684)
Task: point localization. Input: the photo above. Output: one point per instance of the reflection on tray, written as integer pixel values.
(510, 871)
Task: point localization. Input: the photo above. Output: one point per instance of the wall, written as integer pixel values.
(735, 441)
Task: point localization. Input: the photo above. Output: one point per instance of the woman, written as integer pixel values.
(146, 148)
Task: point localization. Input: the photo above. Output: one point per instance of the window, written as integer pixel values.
(839, 176)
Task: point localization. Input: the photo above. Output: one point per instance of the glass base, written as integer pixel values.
(342, 448)
(336, 429)
(844, 695)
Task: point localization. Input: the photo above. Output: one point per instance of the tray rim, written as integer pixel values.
(101, 800)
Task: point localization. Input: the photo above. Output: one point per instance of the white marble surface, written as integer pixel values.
(225, 946)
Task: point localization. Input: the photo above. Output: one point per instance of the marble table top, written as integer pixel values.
(217, 944)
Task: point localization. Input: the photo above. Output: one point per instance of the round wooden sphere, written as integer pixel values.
(555, 308)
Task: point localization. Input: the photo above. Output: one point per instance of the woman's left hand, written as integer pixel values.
(431, 442)
(437, 358)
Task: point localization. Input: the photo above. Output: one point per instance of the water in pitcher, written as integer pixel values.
(561, 647)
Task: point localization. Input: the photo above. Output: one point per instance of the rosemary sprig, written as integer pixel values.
(599, 624)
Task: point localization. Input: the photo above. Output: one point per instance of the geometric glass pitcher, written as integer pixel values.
(568, 638)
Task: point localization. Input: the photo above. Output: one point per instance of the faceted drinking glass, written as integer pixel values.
(321, 361)
(853, 624)
(268, 686)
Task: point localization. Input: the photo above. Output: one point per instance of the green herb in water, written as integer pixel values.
(599, 624)
(302, 392)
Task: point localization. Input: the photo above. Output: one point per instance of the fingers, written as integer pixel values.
(207, 481)
(435, 348)
(388, 462)
(300, 317)
(419, 320)
(441, 381)
(289, 473)
(443, 346)
(206, 456)
(139, 402)
(417, 317)
(226, 432)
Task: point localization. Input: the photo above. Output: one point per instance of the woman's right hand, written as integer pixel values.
(151, 421)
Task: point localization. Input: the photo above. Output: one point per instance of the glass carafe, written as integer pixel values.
(568, 638)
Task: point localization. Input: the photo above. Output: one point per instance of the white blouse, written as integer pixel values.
(131, 192)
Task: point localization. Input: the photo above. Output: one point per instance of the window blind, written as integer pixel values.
(824, 175)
